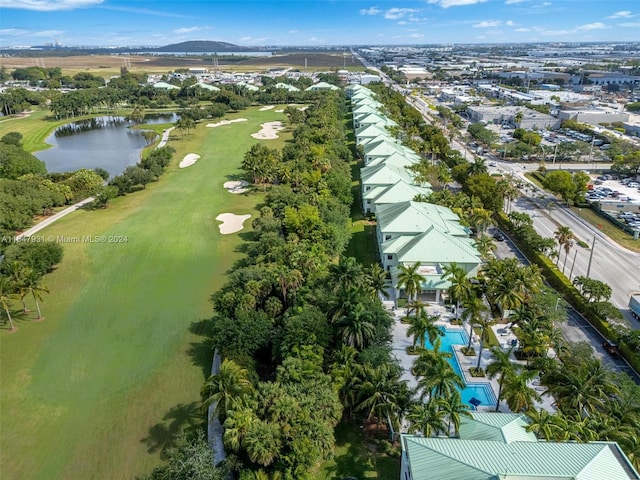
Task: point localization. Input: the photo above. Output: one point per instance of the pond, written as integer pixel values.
(105, 142)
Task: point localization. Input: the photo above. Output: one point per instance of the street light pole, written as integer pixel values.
(574, 264)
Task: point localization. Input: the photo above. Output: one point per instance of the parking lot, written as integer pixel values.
(619, 196)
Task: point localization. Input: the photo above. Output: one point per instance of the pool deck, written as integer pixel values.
(400, 342)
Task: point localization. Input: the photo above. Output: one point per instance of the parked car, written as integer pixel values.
(611, 347)
(498, 237)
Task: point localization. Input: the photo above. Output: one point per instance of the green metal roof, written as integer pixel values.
(286, 86)
(370, 131)
(456, 459)
(375, 119)
(323, 86)
(385, 146)
(398, 159)
(400, 191)
(506, 427)
(435, 246)
(417, 217)
(383, 175)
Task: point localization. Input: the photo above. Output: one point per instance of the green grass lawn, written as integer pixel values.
(96, 390)
(353, 457)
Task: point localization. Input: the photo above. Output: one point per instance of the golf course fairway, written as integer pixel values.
(98, 389)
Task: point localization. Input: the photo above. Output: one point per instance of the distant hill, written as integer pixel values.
(204, 46)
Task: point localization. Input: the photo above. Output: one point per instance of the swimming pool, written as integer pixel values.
(482, 392)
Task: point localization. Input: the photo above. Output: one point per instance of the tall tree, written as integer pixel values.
(427, 418)
(564, 236)
(501, 366)
(461, 288)
(423, 326)
(7, 293)
(227, 388)
(474, 310)
(410, 280)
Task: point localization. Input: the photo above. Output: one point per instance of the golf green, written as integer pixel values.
(98, 388)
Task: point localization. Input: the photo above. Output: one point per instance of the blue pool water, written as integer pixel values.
(480, 391)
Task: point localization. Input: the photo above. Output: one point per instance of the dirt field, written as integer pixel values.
(106, 65)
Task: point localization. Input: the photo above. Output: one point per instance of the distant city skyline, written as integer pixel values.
(316, 22)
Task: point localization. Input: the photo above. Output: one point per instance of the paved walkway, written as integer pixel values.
(400, 342)
(215, 429)
(48, 221)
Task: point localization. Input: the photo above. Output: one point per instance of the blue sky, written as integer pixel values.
(316, 22)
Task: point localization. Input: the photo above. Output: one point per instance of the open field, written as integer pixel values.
(98, 388)
(109, 65)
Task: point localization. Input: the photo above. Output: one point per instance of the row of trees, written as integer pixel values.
(292, 325)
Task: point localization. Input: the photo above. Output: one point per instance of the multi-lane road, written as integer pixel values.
(610, 263)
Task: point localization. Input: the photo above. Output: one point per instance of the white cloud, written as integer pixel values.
(370, 11)
(621, 14)
(523, 29)
(509, 23)
(183, 30)
(294, 31)
(542, 5)
(630, 24)
(488, 24)
(13, 32)
(397, 13)
(316, 40)
(455, 3)
(49, 5)
(513, 2)
(592, 26)
(417, 35)
(48, 33)
(402, 22)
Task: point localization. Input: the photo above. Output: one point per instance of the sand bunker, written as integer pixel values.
(189, 160)
(226, 122)
(269, 131)
(266, 107)
(236, 186)
(231, 223)
(279, 111)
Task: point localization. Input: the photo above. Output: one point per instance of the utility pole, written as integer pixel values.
(574, 264)
(593, 247)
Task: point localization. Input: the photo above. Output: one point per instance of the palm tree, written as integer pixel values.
(474, 309)
(380, 394)
(236, 426)
(263, 442)
(422, 326)
(357, 330)
(564, 236)
(502, 366)
(455, 408)
(7, 293)
(587, 387)
(32, 283)
(480, 219)
(485, 245)
(478, 167)
(461, 288)
(517, 392)
(410, 280)
(428, 418)
(18, 272)
(376, 281)
(227, 388)
(347, 273)
(545, 425)
(484, 324)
